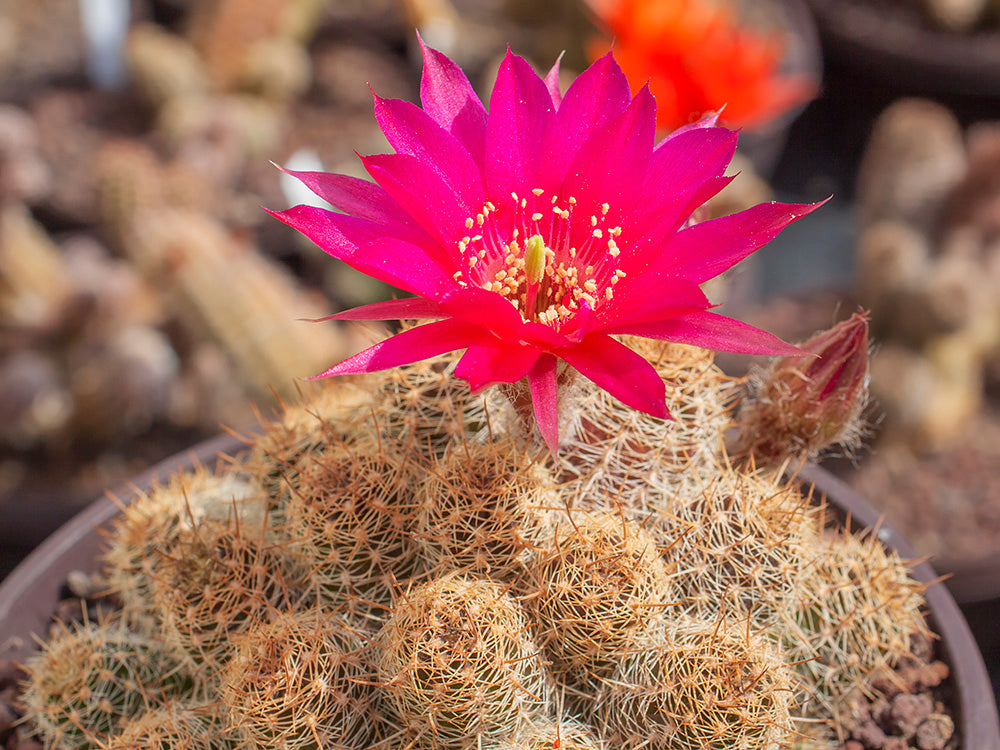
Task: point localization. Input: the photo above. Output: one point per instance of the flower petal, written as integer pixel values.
(437, 207)
(497, 314)
(636, 301)
(678, 169)
(521, 113)
(411, 131)
(621, 372)
(448, 97)
(610, 166)
(408, 308)
(544, 386)
(552, 83)
(712, 331)
(362, 246)
(482, 366)
(705, 250)
(412, 345)
(355, 196)
(598, 95)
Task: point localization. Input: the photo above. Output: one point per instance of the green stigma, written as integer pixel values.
(534, 258)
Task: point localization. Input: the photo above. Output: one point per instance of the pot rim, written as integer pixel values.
(28, 596)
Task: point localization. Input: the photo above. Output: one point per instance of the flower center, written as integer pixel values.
(541, 256)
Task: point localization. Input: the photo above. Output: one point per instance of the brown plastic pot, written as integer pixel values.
(29, 596)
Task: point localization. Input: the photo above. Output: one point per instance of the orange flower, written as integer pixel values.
(697, 58)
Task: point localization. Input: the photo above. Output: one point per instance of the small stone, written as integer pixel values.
(852, 745)
(934, 732)
(27, 745)
(869, 734)
(895, 743)
(908, 711)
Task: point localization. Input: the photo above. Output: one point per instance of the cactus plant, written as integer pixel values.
(404, 561)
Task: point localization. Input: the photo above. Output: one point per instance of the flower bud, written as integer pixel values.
(805, 404)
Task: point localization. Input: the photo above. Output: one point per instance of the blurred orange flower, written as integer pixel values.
(698, 58)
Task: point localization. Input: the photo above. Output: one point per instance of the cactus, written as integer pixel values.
(482, 508)
(218, 580)
(90, 679)
(302, 681)
(856, 612)
(616, 453)
(593, 586)
(739, 544)
(157, 521)
(350, 518)
(391, 565)
(457, 663)
(699, 686)
(177, 726)
(551, 734)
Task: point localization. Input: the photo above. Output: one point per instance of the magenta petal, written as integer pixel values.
(448, 97)
(552, 83)
(411, 131)
(610, 166)
(354, 196)
(521, 113)
(361, 246)
(712, 331)
(684, 164)
(635, 303)
(481, 366)
(621, 372)
(412, 345)
(544, 387)
(710, 120)
(409, 308)
(705, 250)
(497, 314)
(598, 95)
(436, 206)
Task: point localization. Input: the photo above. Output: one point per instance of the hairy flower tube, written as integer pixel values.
(537, 232)
(804, 404)
(698, 57)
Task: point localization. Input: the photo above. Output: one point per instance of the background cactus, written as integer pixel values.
(391, 563)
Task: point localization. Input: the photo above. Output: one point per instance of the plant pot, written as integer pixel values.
(29, 596)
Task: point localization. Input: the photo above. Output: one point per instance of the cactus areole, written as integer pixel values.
(539, 230)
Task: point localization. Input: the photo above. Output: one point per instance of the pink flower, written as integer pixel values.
(538, 231)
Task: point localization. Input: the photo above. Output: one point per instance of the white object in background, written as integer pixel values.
(105, 24)
(303, 160)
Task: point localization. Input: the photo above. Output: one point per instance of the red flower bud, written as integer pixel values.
(806, 404)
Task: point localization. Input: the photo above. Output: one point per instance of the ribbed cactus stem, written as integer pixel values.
(301, 682)
(458, 665)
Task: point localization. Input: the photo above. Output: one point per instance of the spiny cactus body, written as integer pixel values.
(302, 681)
(458, 665)
(852, 619)
(699, 686)
(482, 509)
(392, 564)
(89, 680)
(595, 585)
